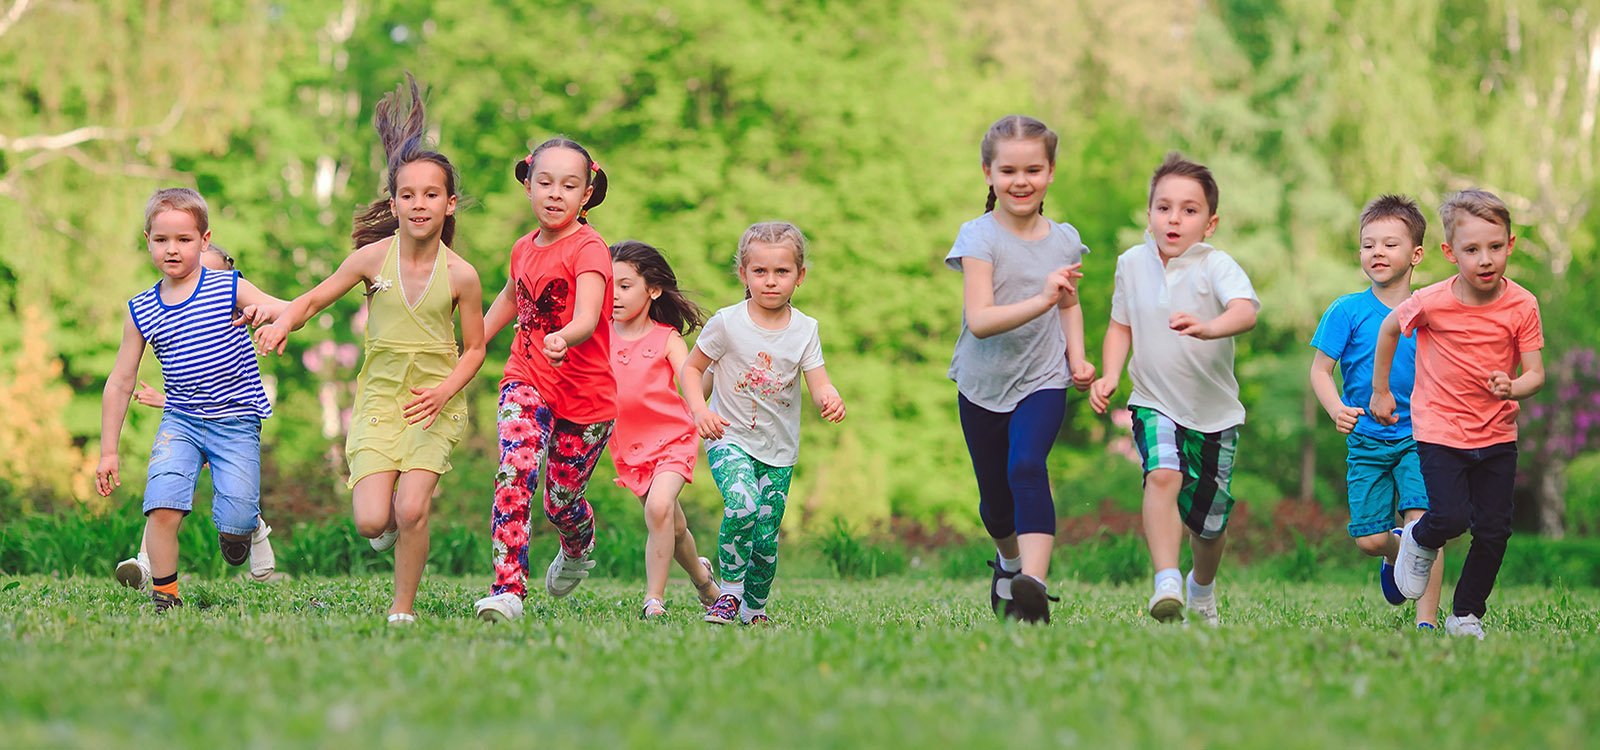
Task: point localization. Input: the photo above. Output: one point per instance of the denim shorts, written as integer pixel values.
(1383, 476)
(232, 445)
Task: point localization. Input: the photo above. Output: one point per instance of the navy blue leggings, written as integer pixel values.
(1008, 455)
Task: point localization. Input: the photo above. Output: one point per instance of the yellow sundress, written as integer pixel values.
(406, 347)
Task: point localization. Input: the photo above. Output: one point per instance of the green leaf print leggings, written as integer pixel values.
(753, 496)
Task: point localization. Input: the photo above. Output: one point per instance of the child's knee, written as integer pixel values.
(371, 526)
(411, 516)
(1163, 480)
(657, 513)
(1375, 545)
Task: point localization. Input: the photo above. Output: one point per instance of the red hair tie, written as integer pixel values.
(528, 160)
(594, 166)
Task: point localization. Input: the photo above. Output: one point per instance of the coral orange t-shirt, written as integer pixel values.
(1458, 347)
(545, 280)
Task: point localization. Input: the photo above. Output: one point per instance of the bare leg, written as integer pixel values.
(372, 503)
(684, 550)
(660, 502)
(413, 498)
(1163, 526)
(161, 535)
(1035, 551)
(1207, 557)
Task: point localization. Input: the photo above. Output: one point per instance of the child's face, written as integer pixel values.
(558, 186)
(176, 243)
(1387, 254)
(630, 295)
(1179, 215)
(1020, 174)
(214, 261)
(1480, 251)
(421, 201)
(771, 273)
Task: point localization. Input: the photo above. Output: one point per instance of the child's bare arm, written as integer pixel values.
(1078, 364)
(824, 395)
(1344, 417)
(1381, 406)
(114, 405)
(707, 422)
(1531, 380)
(468, 294)
(1113, 354)
(501, 312)
(358, 267)
(1237, 317)
(985, 318)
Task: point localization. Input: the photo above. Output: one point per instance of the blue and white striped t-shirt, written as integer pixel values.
(207, 362)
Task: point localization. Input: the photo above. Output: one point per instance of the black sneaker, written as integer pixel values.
(163, 601)
(234, 552)
(1030, 601)
(994, 586)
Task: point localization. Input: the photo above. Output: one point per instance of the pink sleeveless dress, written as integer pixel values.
(654, 432)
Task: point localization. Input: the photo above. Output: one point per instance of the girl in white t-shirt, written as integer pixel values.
(760, 347)
(1021, 345)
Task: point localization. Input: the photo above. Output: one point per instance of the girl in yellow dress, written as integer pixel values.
(409, 410)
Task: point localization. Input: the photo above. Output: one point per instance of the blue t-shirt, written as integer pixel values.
(1349, 333)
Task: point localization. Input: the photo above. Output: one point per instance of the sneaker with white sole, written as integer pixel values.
(385, 541)
(134, 573)
(1413, 564)
(1166, 604)
(1464, 625)
(1202, 610)
(499, 608)
(565, 573)
(262, 561)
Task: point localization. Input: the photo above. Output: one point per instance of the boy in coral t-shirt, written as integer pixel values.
(1473, 330)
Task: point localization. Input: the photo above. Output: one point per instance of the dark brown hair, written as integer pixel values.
(1177, 166)
(1015, 128)
(401, 126)
(1480, 203)
(673, 307)
(1390, 206)
(595, 175)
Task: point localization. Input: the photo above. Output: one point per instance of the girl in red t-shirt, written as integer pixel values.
(655, 442)
(558, 399)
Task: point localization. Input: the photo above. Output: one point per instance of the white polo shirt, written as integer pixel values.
(1189, 380)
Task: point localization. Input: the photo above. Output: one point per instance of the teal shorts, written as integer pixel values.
(1383, 477)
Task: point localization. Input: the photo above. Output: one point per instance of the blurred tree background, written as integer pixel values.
(857, 121)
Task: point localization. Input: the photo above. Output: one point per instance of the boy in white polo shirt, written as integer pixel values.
(1177, 304)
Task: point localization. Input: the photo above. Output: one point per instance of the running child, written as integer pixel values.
(1020, 347)
(558, 398)
(1383, 474)
(655, 442)
(1473, 330)
(134, 572)
(214, 403)
(760, 347)
(1177, 304)
(409, 411)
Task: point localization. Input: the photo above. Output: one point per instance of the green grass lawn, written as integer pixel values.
(886, 663)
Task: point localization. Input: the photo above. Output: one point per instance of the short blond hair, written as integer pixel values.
(1480, 203)
(772, 233)
(178, 199)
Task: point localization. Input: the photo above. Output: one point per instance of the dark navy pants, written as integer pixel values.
(1008, 455)
(1469, 488)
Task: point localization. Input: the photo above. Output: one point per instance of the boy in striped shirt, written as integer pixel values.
(215, 400)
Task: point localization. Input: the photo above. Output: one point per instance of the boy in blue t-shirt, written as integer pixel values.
(1383, 464)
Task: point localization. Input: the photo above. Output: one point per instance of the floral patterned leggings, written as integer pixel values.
(530, 433)
(753, 498)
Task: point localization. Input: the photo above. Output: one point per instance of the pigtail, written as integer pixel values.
(597, 176)
(598, 180)
(401, 121)
(989, 207)
(1014, 127)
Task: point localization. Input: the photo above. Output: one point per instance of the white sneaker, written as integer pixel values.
(262, 561)
(1166, 605)
(565, 574)
(383, 542)
(499, 608)
(1413, 564)
(1468, 625)
(1203, 610)
(134, 573)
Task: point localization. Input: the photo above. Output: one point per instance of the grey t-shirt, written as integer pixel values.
(996, 373)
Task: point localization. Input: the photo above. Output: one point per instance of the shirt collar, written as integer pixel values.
(1196, 253)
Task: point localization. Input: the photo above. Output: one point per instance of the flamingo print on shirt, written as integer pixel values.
(762, 382)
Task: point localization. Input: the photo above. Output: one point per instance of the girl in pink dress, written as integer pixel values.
(654, 443)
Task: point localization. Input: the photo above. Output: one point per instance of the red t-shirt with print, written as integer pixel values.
(544, 280)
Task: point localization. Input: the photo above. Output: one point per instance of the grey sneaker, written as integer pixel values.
(564, 573)
(1466, 625)
(499, 608)
(262, 561)
(385, 541)
(1413, 564)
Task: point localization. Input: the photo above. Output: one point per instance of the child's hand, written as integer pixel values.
(1500, 385)
(1381, 407)
(426, 405)
(1062, 282)
(831, 404)
(1082, 374)
(1345, 420)
(1100, 393)
(105, 476)
(254, 315)
(271, 338)
(555, 349)
(709, 424)
(1186, 324)
(149, 396)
